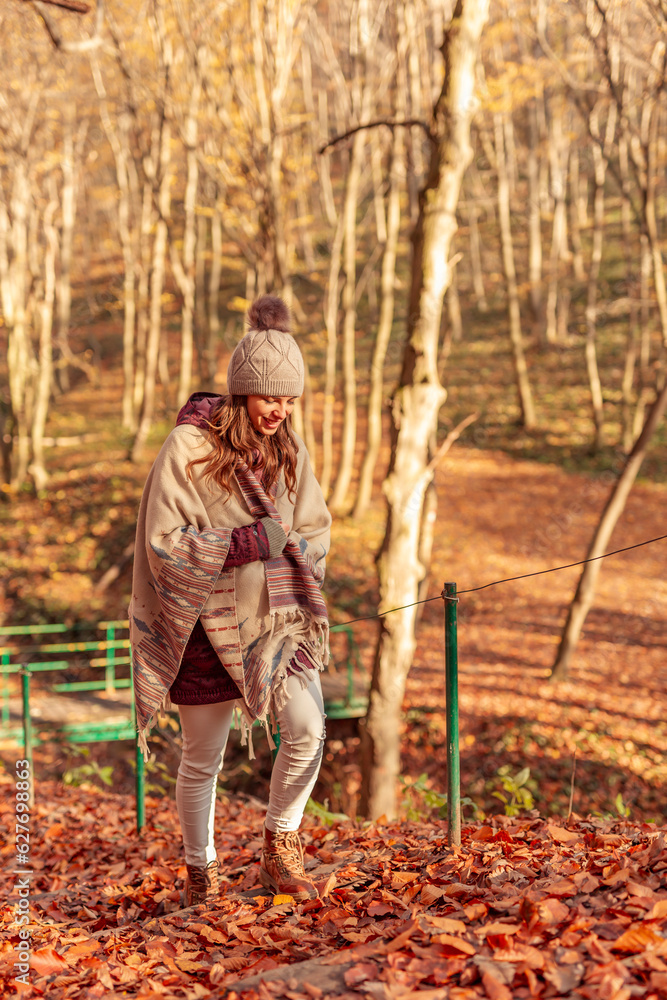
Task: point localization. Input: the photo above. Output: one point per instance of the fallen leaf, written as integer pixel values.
(658, 911)
(639, 938)
(565, 978)
(563, 836)
(47, 961)
(448, 941)
(361, 973)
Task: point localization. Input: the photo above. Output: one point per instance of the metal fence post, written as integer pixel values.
(140, 789)
(452, 709)
(140, 774)
(5, 689)
(110, 669)
(27, 727)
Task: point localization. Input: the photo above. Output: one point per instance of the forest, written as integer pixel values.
(463, 202)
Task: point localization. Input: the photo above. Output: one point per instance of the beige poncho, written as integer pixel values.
(256, 615)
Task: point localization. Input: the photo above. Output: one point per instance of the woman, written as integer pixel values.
(226, 607)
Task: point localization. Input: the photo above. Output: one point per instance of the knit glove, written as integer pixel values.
(248, 543)
(275, 534)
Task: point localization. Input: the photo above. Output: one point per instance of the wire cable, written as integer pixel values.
(555, 569)
(494, 583)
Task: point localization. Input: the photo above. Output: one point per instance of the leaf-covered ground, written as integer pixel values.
(525, 908)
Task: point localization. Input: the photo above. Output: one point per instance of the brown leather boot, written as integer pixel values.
(281, 868)
(201, 884)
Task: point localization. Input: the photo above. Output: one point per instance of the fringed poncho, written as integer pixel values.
(256, 616)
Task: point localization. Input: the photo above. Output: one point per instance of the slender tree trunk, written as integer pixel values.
(644, 387)
(592, 369)
(118, 138)
(349, 433)
(146, 243)
(338, 501)
(214, 295)
(308, 429)
(651, 221)
(156, 287)
(558, 156)
(201, 323)
(44, 374)
(323, 162)
(184, 269)
(600, 158)
(629, 369)
(388, 280)
(68, 214)
(416, 108)
(331, 304)
(534, 218)
(575, 219)
(476, 257)
(455, 320)
(18, 349)
(613, 509)
(520, 367)
(416, 405)
(7, 305)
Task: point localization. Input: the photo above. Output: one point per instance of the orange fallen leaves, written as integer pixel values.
(516, 911)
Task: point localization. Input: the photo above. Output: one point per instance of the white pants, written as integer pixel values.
(205, 729)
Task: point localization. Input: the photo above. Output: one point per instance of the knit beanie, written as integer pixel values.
(267, 362)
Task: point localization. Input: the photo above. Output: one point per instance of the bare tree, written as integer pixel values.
(612, 511)
(184, 264)
(416, 404)
(524, 390)
(29, 249)
(367, 73)
(388, 280)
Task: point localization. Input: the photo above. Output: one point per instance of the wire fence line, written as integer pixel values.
(494, 583)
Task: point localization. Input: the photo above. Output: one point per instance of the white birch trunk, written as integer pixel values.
(388, 281)
(214, 277)
(184, 269)
(44, 373)
(349, 434)
(524, 391)
(154, 333)
(416, 405)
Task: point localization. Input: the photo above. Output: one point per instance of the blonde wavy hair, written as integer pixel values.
(234, 439)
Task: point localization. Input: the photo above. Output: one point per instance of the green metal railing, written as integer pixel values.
(39, 657)
(353, 705)
(23, 655)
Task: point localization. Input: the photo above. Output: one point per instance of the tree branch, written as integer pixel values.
(86, 44)
(453, 436)
(77, 6)
(381, 121)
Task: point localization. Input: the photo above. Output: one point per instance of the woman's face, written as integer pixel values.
(268, 412)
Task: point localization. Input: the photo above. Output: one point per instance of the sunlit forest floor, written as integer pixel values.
(597, 742)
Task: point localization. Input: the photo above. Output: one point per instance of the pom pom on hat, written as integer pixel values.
(269, 312)
(267, 361)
